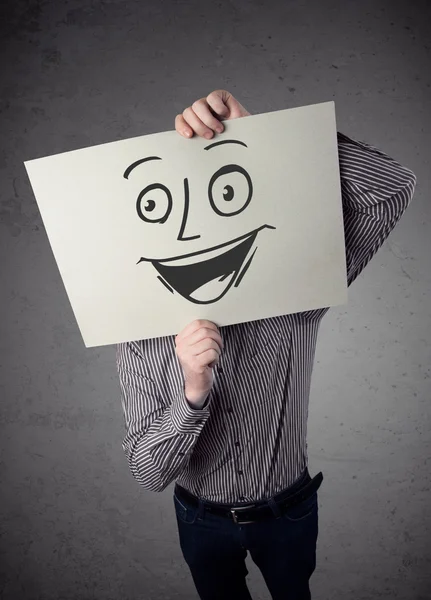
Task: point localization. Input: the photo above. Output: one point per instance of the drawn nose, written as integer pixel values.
(181, 236)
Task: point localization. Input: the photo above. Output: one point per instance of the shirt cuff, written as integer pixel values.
(188, 420)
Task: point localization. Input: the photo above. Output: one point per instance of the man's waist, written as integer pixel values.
(299, 491)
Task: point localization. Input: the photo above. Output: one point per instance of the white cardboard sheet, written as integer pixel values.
(153, 232)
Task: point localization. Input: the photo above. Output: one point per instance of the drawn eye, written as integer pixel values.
(230, 190)
(154, 203)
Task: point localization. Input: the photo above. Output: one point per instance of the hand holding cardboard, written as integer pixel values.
(153, 232)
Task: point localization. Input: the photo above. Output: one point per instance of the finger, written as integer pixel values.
(202, 110)
(203, 346)
(194, 326)
(196, 124)
(202, 334)
(182, 127)
(210, 358)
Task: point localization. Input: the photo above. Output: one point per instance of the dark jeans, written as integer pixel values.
(283, 548)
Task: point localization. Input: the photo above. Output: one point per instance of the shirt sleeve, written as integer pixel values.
(376, 191)
(160, 432)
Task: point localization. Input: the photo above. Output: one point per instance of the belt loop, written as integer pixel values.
(201, 510)
(274, 507)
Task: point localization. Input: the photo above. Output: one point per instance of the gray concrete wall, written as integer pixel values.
(73, 523)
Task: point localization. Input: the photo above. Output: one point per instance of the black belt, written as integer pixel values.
(258, 510)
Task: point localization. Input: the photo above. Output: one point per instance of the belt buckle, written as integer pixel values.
(233, 512)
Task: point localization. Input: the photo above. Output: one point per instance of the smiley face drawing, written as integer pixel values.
(205, 276)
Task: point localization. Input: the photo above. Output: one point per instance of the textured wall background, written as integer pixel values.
(73, 523)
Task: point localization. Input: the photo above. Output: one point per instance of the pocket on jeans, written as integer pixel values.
(185, 513)
(301, 511)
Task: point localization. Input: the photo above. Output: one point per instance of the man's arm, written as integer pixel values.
(376, 191)
(160, 436)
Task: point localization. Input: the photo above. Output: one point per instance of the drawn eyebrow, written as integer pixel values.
(225, 142)
(142, 160)
(138, 162)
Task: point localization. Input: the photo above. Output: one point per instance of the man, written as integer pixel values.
(223, 412)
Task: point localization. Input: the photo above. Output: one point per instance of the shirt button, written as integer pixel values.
(242, 498)
(240, 473)
(237, 444)
(229, 409)
(199, 421)
(220, 370)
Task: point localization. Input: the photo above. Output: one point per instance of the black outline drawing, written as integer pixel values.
(138, 162)
(154, 186)
(223, 171)
(186, 279)
(180, 237)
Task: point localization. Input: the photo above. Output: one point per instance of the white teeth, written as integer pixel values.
(212, 290)
(191, 260)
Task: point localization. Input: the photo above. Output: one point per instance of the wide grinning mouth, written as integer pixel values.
(205, 276)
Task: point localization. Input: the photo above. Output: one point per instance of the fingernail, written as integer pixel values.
(208, 135)
(219, 128)
(187, 132)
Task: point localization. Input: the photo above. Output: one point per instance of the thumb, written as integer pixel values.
(218, 102)
(224, 104)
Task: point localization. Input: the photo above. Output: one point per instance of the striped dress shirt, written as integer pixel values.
(249, 441)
